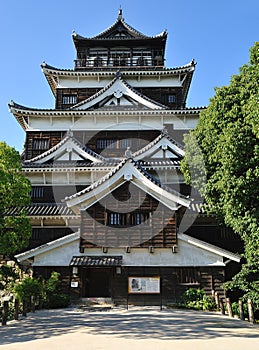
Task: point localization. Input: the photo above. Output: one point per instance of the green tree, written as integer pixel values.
(15, 230)
(227, 134)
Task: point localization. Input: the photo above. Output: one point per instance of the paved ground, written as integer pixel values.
(145, 329)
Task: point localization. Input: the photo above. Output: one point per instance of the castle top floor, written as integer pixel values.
(120, 45)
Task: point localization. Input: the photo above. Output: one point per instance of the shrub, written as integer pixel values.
(54, 298)
(27, 288)
(196, 299)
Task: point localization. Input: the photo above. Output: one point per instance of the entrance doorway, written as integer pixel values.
(97, 282)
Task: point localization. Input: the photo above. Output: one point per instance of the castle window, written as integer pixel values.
(37, 192)
(126, 219)
(69, 99)
(115, 219)
(124, 143)
(40, 144)
(106, 143)
(171, 98)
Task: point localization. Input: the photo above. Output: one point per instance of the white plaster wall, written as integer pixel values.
(187, 255)
(135, 81)
(59, 256)
(112, 122)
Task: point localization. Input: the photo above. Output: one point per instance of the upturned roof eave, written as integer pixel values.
(51, 70)
(18, 109)
(134, 33)
(116, 177)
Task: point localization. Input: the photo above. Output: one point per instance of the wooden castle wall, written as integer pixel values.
(157, 229)
(39, 142)
(159, 94)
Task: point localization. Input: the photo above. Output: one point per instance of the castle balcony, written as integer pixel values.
(135, 62)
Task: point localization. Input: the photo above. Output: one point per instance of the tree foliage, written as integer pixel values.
(227, 134)
(14, 192)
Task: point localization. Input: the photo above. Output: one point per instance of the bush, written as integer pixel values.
(197, 300)
(57, 300)
(54, 298)
(27, 288)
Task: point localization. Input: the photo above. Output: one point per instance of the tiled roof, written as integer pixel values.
(96, 261)
(158, 163)
(41, 210)
(99, 182)
(71, 164)
(16, 109)
(109, 85)
(57, 146)
(164, 133)
(114, 171)
(120, 23)
(128, 70)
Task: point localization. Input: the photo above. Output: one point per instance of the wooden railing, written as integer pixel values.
(94, 62)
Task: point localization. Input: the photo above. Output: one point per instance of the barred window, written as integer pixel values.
(124, 143)
(40, 144)
(37, 192)
(69, 99)
(171, 98)
(106, 143)
(127, 219)
(115, 219)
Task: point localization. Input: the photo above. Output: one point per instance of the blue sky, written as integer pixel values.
(217, 34)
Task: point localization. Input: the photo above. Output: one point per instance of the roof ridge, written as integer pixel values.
(137, 165)
(100, 92)
(117, 77)
(164, 133)
(121, 20)
(98, 182)
(157, 181)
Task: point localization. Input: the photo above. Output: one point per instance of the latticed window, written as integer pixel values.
(40, 144)
(106, 143)
(69, 99)
(171, 98)
(37, 192)
(127, 219)
(115, 219)
(124, 143)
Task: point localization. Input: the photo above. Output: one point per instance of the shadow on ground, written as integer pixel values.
(131, 324)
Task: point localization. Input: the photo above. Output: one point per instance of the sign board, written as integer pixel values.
(74, 284)
(144, 285)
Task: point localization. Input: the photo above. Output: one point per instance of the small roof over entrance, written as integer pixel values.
(96, 261)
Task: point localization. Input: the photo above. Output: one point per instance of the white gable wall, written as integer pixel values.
(187, 255)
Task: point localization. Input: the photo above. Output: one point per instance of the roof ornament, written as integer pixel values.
(128, 153)
(164, 131)
(120, 14)
(70, 133)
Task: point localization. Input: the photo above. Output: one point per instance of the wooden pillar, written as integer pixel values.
(250, 311)
(24, 307)
(5, 312)
(241, 309)
(216, 296)
(16, 309)
(229, 307)
(32, 304)
(222, 307)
